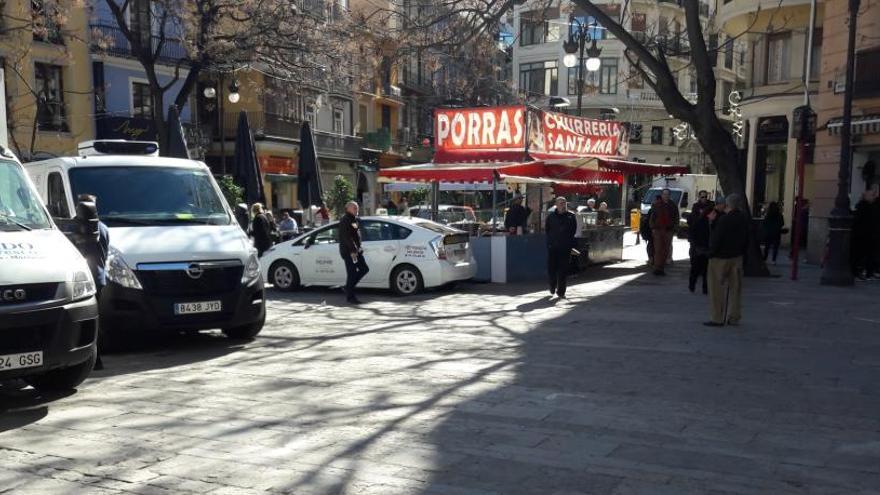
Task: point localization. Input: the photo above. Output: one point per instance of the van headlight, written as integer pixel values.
(251, 269)
(119, 272)
(83, 285)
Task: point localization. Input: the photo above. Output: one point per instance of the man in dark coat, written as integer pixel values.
(351, 251)
(698, 236)
(517, 216)
(261, 229)
(560, 228)
(698, 210)
(728, 241)
(864, 235)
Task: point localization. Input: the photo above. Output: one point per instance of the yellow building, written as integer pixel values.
(48, 78)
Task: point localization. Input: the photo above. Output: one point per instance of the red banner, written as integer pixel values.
(479, 134)
(558, 135)
(501, 134)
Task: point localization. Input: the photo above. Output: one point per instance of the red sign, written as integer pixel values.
(501, 134)
(479, 134)
(558, 135)
(277, 165)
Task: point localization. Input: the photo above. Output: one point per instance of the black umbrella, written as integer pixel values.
(175, 146)
(247, 167)
(308, 175)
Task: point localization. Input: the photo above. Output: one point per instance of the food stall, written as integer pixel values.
(524, 146)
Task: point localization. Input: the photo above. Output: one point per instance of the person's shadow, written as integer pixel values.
(21, 406)
(543, 302)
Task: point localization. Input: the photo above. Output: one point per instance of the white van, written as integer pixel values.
(178, 260)
(48, 311)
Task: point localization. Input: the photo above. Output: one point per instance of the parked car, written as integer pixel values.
(405, 255)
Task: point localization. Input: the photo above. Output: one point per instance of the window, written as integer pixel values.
(50, 97)
(778, 57)
(663, 26)
(572, 80)
(372, 230)
(608, 76)
(329, 235)
(57, 197)
(362, 120)
(312, 116)
(656, 135)
(639, 23)
(539, 78)
(45, 27)
(141, 100)
(635, 134)
(140, 20)
(728, 53)
(713, 49)
(338, 121)
(535, 27)
(816, 58)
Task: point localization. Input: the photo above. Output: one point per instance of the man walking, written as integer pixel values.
(663, 219)
(351, 251)
(560, 227)
(698, 210)
(727, 245)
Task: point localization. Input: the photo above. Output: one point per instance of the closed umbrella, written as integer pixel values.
(176, 141)
(308, 176)
(247, 167)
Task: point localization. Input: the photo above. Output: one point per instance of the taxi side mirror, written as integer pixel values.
(308, 243)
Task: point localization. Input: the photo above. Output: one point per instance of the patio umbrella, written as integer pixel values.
(175, 146)
(247, 167)
(309, 189)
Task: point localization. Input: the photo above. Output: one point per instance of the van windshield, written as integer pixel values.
(651, 194)
(132, 196)
(20, 209)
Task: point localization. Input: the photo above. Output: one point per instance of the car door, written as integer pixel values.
(322, 264)
(379, 240)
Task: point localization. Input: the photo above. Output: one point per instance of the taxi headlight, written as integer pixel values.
(119, 272)
(83, 285)
(251, 269)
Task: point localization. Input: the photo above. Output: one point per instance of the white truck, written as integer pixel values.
(684, 190)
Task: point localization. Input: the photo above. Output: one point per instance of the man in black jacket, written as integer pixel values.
(560, 228)
(727, 245)
(517, 216)
(351, 251)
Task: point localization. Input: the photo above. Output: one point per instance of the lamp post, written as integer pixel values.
(575, 49)
(837, 269)
(233, 96)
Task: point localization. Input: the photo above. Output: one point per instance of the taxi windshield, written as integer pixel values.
(20, 208)
(137, 195)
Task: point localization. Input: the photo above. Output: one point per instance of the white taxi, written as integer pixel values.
(406, 255)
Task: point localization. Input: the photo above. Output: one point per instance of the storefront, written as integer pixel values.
(279, 181)
(771, 156)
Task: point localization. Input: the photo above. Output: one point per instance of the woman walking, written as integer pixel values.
(771, 230)
(698, 236)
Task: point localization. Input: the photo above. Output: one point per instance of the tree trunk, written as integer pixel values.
(719, 145)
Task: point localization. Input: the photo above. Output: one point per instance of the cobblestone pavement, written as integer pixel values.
(485, 389)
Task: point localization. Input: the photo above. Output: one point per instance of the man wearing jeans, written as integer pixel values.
(727, 245)
(351, 251)
(663, 219)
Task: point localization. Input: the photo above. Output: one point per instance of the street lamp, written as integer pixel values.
(234, 95)
(576, 49)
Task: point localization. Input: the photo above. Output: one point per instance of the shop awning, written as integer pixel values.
(864, 124)
(529, 172)
(627, 167)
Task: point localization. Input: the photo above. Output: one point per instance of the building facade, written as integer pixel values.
(822, 174)
(770, 39)
(48, 81)
(614, 90)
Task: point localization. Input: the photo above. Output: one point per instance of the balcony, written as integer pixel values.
(378, 140)
(106, 38)
(269, 125)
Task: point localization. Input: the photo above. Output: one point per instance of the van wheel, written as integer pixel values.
(245, 332)
(406, 280)
(284, 276)
(65, 378)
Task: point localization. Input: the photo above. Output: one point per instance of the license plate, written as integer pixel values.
(23, 360)
(192, 308)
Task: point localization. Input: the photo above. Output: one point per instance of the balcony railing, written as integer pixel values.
(110, 39)
(378, 140)
(265, 124)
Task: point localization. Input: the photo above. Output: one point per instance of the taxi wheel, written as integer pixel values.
(283, 275)
(406, 280)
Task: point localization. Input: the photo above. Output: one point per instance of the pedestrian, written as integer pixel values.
(591, 205)
(697, 210)
(288, 226)
(771, 230)
(698, 236)
(560, 228)
(404, 206)
(645, 231)
(663, 219)
(863, 245)
(260, 229)
(351, 251)
(392, 207)
(603, 216)
(323, 215)
(727, 245)
(94, 247)
(516, 219)
(273, 227)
